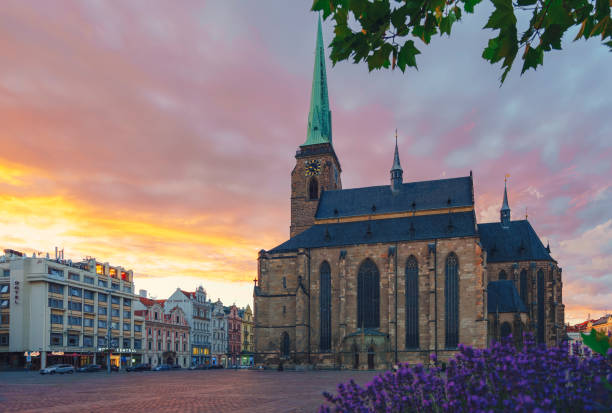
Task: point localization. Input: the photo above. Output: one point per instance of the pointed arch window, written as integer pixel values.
(523, 286)
(368, 295)
(325, 306)
(285, 344)
(313, 189)
(412, 303)
(541, 313)
(451, 300)
(503, 275)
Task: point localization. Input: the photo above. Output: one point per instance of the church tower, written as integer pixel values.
(317, 167)
(504, 212)
(397, 173)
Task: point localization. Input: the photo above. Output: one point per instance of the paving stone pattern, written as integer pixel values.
(171, 391)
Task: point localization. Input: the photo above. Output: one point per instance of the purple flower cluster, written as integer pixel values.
(531, 378)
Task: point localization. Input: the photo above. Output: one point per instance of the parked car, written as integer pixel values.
(163, 367)
(139, 367)
(90, 368)
(58, 368)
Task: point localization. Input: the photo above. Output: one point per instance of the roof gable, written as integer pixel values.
(518, 242)
(502, 297)
(412, 196)
(424, 227)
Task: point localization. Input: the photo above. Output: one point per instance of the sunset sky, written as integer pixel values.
(160, 136)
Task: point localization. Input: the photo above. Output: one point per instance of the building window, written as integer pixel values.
(541, 313)
(89, 295)
(75, 292)
(75, 306)
(73, 340)
(4, 288)
(126, 343)
(102, 310)
(57, 319)
(502, 275)
(285, 346)
(115, 342)
(506, 329)
(127, 314)
(102, 297)
(57, 339)
(88, 322)
(115, 286)
(88, 280)
(99, 269)
(159, 345)
(53, 303)
(114, 299)
(412, 303)
(127, 326)
(155, 315)
(523, 286)
(325, 306)
(150, 345)
(74, 321)
(102, 283)
(138, 344)
(101, 341)
(88, 308)
(127, 302)
(87, 341)
(451, 301)
(6, 273)
(56, 288)
(102, 324)
(4, 303)
(114, 325)
(176, 346)
(4, 318)
(313, 189)
(284, 282)
(4, 339)
(73, 276)
(55, 272)
(114, 312)
(368, 295)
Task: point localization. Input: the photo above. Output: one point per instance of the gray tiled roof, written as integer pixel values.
(412, 196)
(425, 227)
(502, 297)
(518, 242)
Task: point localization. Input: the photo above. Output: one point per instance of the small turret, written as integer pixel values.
(504, 212)
(397, 174)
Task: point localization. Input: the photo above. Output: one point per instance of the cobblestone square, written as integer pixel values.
(171, 391)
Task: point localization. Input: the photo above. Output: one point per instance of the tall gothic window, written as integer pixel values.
(523, 286)
(541, 315)
(412, 303)
(285, 344)
(502, 275)
(368, 295)
(451, 302)
(506, 329)
(325, 306)
(313, 188)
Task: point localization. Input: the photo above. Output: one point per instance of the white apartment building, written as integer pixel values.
(56, 311)
(219, 334)
(197, 312)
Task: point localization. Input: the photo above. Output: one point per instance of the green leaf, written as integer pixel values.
(609, 44)
(445, 24)
(533, 58)
(407, 55)
(596, 341)
(558, 14)
(322, 5)
(503, 15)
(380, 57)
(491, 51)
(552, 37)
(469, 5)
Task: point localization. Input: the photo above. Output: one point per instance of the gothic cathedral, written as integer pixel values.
(376, 276)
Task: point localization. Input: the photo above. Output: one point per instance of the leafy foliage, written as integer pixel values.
(597, 341)
(497, 379)
(379, 32)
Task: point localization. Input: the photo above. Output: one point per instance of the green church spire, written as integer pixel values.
(319, 118)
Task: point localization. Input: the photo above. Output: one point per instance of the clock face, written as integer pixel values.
(313, 167)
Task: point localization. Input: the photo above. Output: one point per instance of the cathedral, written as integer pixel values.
(375, 276)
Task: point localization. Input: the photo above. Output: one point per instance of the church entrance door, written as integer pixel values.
(355, 357)
(371, 358)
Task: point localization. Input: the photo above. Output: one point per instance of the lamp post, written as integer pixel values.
(108, 331)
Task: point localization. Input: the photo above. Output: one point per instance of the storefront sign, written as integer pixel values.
(57, 353)
(16, 291)
(116, 350)
(32, 353)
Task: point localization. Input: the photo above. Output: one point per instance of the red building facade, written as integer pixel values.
(234, 327)
(166, 335)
